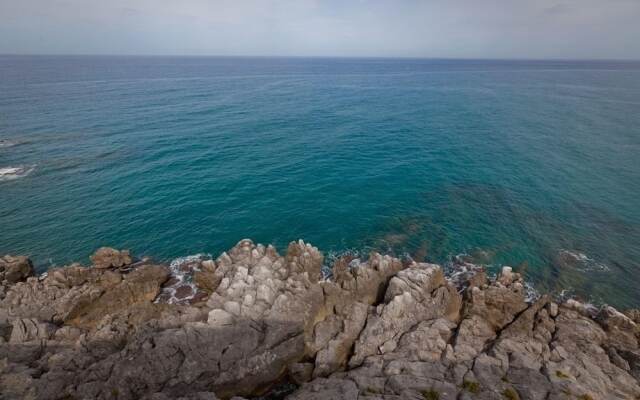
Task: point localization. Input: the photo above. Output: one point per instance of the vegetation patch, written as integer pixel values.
(471, 386)
(431, 395)
(510, 394)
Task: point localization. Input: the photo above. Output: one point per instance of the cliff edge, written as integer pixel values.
(255, 323)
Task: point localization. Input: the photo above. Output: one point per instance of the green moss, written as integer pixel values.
(562, 375)
(431, 395)
(510, 394)
(471, 386)
(374, 390)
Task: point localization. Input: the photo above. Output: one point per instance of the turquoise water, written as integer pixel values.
(510, 161)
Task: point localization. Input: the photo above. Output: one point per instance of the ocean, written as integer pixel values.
(534, 164)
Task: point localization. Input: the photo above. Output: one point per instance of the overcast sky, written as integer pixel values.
(407, 28)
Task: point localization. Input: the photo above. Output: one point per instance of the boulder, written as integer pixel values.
(207, 281)
(258, 324)
(29, 329)
(107, 257)
(15, 269)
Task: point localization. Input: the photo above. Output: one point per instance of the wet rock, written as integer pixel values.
(184, 291)
(199, 297)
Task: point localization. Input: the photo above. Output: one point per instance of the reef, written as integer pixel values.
(253, 323)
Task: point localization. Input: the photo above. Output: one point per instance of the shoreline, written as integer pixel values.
(253, 322)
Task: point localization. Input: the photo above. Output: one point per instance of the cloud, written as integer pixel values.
(418, 28)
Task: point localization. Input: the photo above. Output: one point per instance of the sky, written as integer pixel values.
(538, 29)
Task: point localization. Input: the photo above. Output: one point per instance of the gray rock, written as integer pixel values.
(15, 269)
(380, 329)
(29, 329)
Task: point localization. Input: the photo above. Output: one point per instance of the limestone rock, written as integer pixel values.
(416, 294)
(301, 372)
(107, 257)
(207, 281)
(378, 329)
(29, 329)
(15, 268)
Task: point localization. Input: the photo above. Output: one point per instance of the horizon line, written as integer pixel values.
(317, 57)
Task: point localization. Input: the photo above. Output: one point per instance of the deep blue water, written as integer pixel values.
(176, 156)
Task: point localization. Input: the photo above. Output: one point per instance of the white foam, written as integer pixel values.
(11, 173)
(7, 143)
(184, 277)
(584, 262)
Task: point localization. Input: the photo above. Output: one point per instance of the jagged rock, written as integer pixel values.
(107, 257)
(335, 336)
(621, 330)
(207, 281)
(327, 389)
(15, 268)
(634, 315)
(415, 294)
(380, 329)
(28, 329)
(191, 396)
(139, 286)
(301, 372)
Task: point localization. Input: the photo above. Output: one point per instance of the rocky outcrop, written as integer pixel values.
(257, 322)
(13, 269)
(106, 257)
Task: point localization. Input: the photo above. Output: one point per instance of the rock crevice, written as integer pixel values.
(253, 321)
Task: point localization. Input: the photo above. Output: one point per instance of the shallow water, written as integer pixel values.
(511, 162)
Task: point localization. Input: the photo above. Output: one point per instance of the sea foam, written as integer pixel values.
(182, 272)
(7, 143)
(11, 173)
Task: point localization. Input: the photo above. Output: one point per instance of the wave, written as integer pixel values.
(180, 289)
(7, 143)
(579, 261)
(11, 173)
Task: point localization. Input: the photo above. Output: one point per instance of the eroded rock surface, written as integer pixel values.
(255, 320)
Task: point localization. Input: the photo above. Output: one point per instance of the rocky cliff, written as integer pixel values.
(254, 323)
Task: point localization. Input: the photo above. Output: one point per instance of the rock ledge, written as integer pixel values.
(253, 322)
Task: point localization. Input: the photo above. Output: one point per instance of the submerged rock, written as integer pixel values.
(253, 321)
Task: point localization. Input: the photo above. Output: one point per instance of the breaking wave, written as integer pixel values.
(579, 261)
(181, 289)
(11, 173)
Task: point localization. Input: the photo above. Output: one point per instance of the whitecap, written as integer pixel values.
(181, 275)
(579, 261)
(331, 257)
(11, 173)
(6, 143)
(458, 271)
